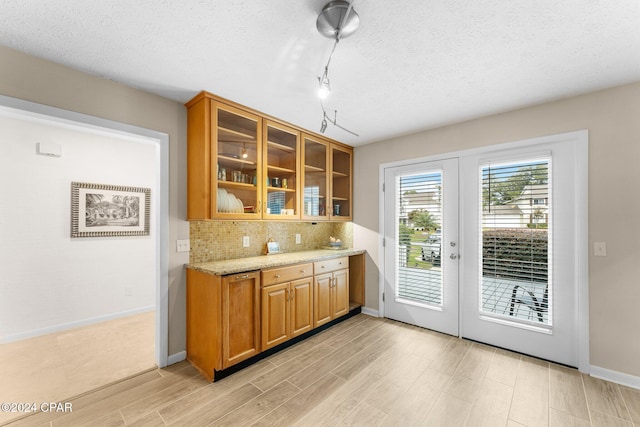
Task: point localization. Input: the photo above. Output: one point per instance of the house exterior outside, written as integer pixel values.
(531, 207)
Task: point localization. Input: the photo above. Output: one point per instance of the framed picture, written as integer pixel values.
(100, 210)
(273, 248)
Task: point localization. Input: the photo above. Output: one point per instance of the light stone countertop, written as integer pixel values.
(242, 265)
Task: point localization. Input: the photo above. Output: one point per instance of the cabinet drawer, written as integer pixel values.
(331, 265)
(286, 274)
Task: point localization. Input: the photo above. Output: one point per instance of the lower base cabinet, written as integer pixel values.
(287, 308)
(223, 319)
(330, 290)
(240, 317)
(235, 317)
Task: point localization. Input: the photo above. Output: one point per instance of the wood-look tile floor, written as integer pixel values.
(57, 366)
(369, 372)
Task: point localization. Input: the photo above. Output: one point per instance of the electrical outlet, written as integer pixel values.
(298, 239)
(183, 245)
(599, 249)
(245, 241)
(128, 292)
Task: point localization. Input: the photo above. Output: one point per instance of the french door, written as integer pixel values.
(421, 249)
(486, 246)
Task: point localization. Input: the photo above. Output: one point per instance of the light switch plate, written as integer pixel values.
(183, 245)
(245, 241)
(298, 239)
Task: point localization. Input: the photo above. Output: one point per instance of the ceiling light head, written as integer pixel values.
(323, 126)
(325, 88)
(337, 20)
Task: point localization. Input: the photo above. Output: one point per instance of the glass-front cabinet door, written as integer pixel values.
(236, 136)
(281, 165)
(341, 192)
(315, 183)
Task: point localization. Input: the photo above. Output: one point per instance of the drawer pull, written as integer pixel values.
(302, 271)
(277, 276)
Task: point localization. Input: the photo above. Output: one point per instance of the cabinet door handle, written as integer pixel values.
(292, 295)
(244, 276)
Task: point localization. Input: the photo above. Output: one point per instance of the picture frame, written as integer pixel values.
(273, 248)
(102, 210)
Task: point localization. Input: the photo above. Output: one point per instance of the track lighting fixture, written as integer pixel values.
(334, 122)
(336, 20)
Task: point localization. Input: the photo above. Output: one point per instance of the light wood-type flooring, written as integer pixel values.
(57, 366)
(368, 372)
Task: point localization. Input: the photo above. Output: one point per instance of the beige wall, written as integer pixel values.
(613, 120)
(32, 79)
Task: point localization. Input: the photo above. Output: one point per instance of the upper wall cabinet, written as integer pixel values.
(281, 166)
(341, 182)
(243, 165)
(237, 137)
(315, 178)
(326, 180)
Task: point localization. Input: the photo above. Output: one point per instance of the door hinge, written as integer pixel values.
(383, 187)
(383, 242)
(383, 297)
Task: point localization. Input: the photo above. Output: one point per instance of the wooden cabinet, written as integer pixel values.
(237, 144)
(330, 290)
(235, 317)
(287, 303)
(240, 317)
(341, 183)
(223, 319)
(315, 178)
(243, 165)
(281, 166)
(327, 180)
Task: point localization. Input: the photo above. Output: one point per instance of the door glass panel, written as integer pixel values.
(341, 183)
(282, 152)
(419, 242)
(237, 163)
(315, 178)
(515, 211)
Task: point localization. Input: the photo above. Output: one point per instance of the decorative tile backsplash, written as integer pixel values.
(220, 240)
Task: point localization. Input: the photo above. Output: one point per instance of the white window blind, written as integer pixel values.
(516, 202)
(419, 225)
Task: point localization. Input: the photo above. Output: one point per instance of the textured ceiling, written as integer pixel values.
(412, 65)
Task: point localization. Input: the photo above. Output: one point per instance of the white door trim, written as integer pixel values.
(160, 203)
(581, 225)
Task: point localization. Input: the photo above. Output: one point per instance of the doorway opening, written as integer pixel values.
(43, 281)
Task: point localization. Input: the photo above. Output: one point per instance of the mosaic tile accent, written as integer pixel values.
(222, 240)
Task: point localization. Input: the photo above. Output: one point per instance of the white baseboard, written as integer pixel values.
(615, 377)
(176, 357)
(369, 311)
(72, 325)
